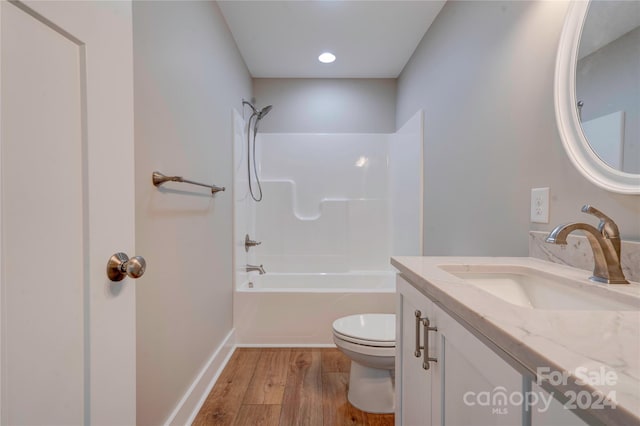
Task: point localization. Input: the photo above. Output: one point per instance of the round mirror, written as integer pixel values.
(597, 92)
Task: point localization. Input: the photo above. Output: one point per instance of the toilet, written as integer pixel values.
(369, 340)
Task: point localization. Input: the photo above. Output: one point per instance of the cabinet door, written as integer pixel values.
(549, 412)
(413, 384)
(476, 386)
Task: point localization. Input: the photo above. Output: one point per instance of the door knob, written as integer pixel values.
(120, 266)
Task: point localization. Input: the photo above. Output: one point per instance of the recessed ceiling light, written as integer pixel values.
(327, 58)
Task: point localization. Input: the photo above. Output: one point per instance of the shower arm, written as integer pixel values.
(255, 111)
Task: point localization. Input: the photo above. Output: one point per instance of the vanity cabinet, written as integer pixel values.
(466, 384)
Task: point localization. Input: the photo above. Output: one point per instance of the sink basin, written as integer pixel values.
(536, 289)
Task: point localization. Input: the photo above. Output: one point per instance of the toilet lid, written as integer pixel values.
(376, 329)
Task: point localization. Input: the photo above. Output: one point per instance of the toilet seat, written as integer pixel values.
(364, 342)
(376, 330)
(368, 350)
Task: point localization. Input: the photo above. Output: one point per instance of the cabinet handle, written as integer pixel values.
(427, 328)
(417, 353)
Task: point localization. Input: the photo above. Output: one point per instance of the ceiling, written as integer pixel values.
(607, 21)
(371, 39)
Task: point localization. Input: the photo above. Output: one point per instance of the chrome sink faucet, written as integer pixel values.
(604, 241)
(260, 269)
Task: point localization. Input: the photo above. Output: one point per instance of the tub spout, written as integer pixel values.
(260, 269)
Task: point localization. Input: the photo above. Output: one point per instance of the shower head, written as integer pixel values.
(264, 111)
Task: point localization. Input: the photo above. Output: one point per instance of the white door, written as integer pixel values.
(66, 205)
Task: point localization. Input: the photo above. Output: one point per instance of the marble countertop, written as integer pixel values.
(567, 341)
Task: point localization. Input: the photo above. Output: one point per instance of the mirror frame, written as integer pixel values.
(575, 143)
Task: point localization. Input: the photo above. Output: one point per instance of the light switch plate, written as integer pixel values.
(540, 205)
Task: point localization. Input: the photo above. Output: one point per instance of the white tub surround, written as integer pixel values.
(325, 205)
(332, 202)
(560, 340)
(335, 207)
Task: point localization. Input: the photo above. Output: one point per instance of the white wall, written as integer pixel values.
(188, 76)
(484, 74)
(307, 105)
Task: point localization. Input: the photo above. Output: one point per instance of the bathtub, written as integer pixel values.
(297, 309)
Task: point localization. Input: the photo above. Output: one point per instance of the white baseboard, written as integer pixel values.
(187, 409)
(190, 404)
(285, 345)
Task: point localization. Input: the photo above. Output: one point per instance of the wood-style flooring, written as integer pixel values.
(285, 387)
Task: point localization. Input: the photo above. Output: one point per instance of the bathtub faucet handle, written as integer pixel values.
(248, 242)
